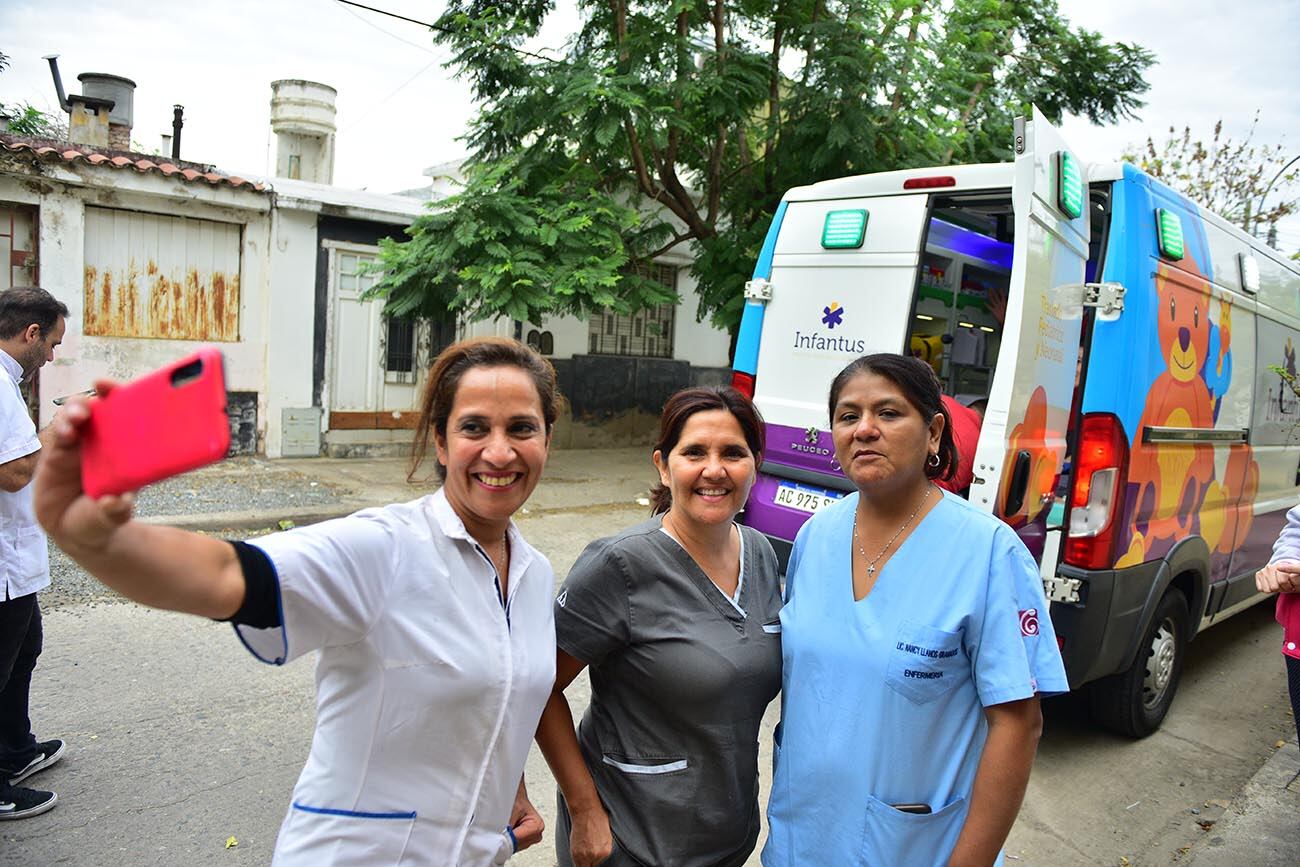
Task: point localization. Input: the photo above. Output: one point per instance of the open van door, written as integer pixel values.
(1022, 444)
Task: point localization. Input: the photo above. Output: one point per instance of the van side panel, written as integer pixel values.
(1175, 359)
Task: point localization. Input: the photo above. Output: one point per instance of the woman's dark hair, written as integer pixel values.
(686, 403)
(919, 385)
(444, 380)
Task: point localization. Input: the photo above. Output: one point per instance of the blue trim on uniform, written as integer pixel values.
(351, 814)
(751, 321)
(284, 630)
(514, 841)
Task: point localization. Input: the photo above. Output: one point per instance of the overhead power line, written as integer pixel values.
(450, 31)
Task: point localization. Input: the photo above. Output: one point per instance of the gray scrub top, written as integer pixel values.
(680, 678)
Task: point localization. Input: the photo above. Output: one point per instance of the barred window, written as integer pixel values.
(400, 354)
(648, 333)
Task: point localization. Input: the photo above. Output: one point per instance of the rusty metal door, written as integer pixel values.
(152, 275)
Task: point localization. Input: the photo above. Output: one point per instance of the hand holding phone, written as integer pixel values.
(160, 425)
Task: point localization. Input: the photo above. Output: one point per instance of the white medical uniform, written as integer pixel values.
(428, 689)
(24, 556)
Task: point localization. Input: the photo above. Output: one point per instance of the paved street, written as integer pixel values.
(179, 741)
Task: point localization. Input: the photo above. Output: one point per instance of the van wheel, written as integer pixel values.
(1134, 702)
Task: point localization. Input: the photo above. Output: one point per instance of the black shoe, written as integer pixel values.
(19, 803)
(47, 753)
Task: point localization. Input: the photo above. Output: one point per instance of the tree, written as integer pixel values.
(23, 118)
(682, 122)
(1251, 185)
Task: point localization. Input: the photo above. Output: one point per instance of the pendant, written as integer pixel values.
(871, 570)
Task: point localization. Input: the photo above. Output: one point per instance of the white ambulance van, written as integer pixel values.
(1150, 482)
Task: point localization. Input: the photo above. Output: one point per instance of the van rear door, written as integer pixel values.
(1022, 444)
(843, 271)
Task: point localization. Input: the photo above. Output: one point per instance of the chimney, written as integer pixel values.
(119, 93)
(302, 118)
(88, 120)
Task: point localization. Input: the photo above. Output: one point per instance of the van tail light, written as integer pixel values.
(743, 383)
(1100, 476)
(929, 182)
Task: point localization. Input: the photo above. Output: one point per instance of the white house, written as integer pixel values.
(154, 256)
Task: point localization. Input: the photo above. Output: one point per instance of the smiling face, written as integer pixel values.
(881, 439)
(1183, 325)
(709, 471)
(494, 448)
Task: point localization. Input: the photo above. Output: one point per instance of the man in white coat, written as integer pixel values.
(31, 326)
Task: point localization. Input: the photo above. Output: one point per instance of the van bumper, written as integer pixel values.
(1097, 633)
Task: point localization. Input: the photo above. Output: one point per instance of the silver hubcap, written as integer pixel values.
(1160, 665)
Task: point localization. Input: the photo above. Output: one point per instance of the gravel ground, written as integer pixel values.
(234, 485)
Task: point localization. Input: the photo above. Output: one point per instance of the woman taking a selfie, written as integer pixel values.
(916, 643)
(432, 620)
(676, 619)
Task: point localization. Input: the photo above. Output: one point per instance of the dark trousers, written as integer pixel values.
(1293, 684)
(20, 645)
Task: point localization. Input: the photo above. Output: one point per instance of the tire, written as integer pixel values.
(1134, 702)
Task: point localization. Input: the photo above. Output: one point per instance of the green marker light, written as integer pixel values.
(1069, 185)
(1169, 232)
(844, 230)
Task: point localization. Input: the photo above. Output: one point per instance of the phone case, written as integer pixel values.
(163, 424)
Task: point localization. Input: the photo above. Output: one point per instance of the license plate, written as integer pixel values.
(803, 499)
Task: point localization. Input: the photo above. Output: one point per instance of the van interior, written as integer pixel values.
(960, 297)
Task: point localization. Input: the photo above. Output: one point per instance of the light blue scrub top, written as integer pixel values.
(882, 700)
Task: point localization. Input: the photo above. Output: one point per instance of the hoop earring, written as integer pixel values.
(934, 460)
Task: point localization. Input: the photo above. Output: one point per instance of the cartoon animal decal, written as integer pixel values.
(1031, 435)
(1177, 492)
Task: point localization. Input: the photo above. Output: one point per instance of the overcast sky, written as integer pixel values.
(399, 110)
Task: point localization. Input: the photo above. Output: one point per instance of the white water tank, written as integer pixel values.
(302, 118)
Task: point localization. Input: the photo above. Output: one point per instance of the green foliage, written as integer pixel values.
(22, 118)
(1245, 183)
(682, 122)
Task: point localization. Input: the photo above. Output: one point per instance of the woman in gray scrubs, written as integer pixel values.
(677, 619)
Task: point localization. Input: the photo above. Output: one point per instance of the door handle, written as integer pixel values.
(1019, 483)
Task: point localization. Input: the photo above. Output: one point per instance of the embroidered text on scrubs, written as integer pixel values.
(925, 651)
(922, 675)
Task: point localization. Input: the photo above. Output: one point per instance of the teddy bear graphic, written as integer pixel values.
(1175, 487)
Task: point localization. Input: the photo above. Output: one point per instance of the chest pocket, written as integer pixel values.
(925, 662)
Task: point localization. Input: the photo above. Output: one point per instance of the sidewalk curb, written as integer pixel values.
(1262, 825)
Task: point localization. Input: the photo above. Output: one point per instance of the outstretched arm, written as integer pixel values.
(162, 567)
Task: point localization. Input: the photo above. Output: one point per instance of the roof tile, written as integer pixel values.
(119, 160)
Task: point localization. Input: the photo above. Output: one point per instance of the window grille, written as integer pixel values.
(400, 354)
(648, 333)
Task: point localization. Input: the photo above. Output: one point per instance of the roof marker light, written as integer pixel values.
(844, 230)
(1249, 272)
(1069, 185)
(1169, 232)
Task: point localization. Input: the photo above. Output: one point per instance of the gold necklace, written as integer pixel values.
(871, 564)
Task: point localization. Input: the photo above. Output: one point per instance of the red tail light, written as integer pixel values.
(927, 183)
(743, 383)
(1097, 495)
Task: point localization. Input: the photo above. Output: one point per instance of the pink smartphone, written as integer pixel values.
(160, 425)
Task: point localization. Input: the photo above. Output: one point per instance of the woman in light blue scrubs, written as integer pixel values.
(916, 642)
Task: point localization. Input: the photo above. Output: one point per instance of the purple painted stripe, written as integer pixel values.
(764, 515)
(1256, 549)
